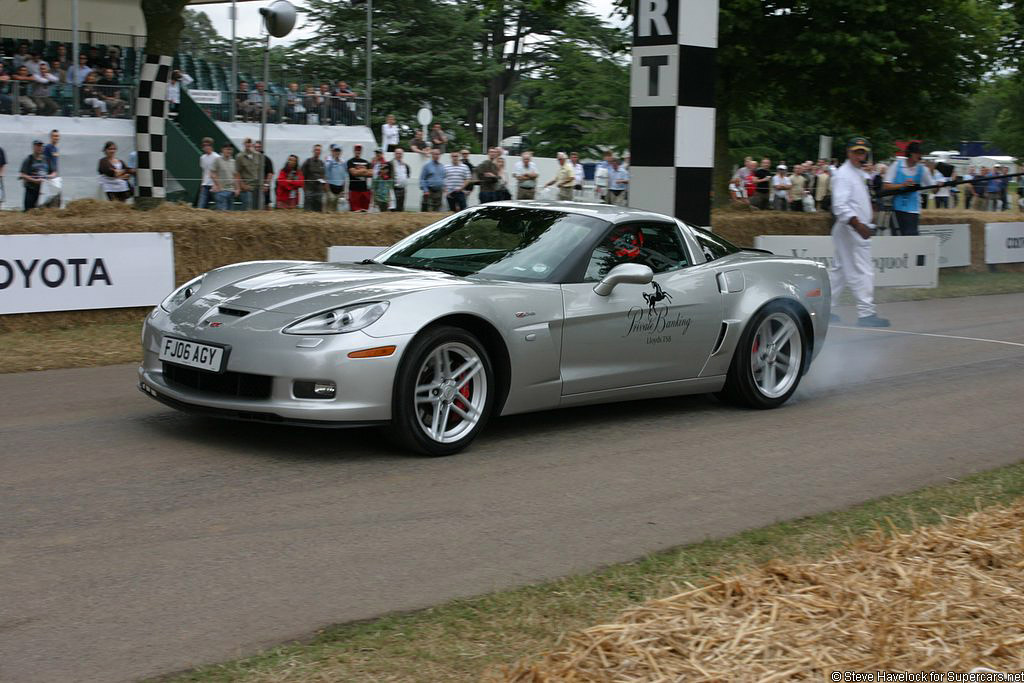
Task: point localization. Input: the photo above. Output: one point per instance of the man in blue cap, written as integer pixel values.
(851, 235)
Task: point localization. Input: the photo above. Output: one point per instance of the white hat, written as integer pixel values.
(780, 167)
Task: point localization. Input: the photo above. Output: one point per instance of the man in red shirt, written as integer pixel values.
(359, 172)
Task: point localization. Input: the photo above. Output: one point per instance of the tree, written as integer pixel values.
(164, 23)
(870, 65)
(200, 39)
(864, 65)
(422, 53)
(454, 53)
(578, 101)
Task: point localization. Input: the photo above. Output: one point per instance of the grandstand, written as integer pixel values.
(113, 30)
(208, 76)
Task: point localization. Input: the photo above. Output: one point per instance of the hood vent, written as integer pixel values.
(236, 312)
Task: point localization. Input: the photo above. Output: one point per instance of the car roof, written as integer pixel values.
(608, 212)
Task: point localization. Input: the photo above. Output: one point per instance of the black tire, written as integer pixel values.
(418, 369)
(742, 385)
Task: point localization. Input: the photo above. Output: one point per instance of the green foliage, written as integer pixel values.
(887, 70)
(1008, 129)
(862, 65)
(164, 23)
(453, 53)
(577, 94)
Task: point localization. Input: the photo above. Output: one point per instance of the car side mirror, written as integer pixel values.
(624, 273)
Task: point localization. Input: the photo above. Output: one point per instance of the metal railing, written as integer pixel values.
(85, 36)
(59, 99)
(303, 109)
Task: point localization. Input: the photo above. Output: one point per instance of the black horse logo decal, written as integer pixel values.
(654, 297)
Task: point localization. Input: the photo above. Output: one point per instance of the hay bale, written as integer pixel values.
(207, 239)
(204, 240)
(946, 597)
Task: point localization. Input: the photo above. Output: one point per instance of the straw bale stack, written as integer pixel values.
(204, 240)
(207, 239)
(942, 598)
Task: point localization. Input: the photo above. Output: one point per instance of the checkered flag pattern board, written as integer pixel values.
(150, 126)
(672, 100)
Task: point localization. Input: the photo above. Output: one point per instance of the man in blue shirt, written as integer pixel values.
(1004, 186)
(336, 175)
(995, 189)
(618, 183)
(432, 181)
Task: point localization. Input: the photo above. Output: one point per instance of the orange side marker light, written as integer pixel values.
(375, 352)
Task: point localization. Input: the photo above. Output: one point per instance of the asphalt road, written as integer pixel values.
(135, 540)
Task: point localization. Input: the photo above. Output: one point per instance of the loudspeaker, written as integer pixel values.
(279, 18)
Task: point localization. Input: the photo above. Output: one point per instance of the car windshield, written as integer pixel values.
(500, 242)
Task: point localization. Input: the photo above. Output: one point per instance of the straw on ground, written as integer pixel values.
(943, 598)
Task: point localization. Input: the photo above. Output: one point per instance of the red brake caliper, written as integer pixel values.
(464, 404)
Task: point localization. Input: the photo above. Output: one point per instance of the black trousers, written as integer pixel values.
(907, 222)
(314, 201)
(399, 199)
(456, 201)
(31, 196)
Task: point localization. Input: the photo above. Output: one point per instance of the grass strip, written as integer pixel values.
(463, 640)
(954, 285)
(74, 347)
(112, 343)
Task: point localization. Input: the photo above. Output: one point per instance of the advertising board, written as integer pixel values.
(76, 271)
(1004, 242)
(899, 261)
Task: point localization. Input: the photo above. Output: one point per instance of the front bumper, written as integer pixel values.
(364, 385)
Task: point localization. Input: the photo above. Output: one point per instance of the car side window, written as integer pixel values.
(658, 245)
(713, 246)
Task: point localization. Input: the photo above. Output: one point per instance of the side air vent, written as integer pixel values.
(721, 338)
(237, 312)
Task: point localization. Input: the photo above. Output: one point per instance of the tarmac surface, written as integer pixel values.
(136, 541)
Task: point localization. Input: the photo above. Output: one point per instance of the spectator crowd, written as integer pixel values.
(34, 84)
(382, 181)
(331, 183)
(807, 186)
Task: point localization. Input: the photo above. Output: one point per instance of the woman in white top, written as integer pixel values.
(114, 175)
(179, 80)
(389, 133)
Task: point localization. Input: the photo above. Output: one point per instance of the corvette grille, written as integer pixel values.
(237, 384)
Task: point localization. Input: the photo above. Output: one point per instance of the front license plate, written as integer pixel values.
(192, 354)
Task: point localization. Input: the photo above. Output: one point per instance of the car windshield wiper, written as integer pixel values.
(366, 262)
(423, 266)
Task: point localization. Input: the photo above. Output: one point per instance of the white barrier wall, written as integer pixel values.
(1004, 242)
(81, 149)
(68, 272)
(899, 261)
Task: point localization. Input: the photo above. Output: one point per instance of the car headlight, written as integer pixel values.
(340, 320)
(182, 294)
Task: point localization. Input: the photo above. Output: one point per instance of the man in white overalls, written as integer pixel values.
(904, 173)
(851, 235)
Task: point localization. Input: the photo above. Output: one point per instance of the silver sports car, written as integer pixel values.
(504, 308)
